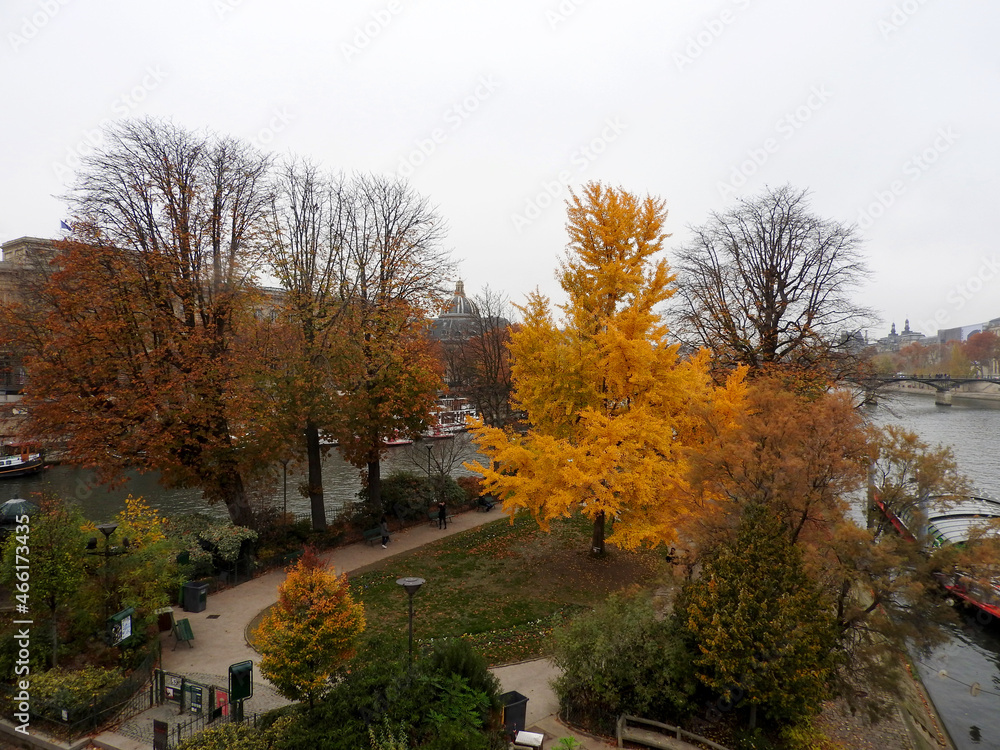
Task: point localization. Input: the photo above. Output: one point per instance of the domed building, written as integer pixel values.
(458, 322)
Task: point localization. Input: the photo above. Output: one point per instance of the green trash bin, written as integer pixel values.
(195, 596)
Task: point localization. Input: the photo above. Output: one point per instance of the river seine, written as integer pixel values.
(341, 483)
(972, 655)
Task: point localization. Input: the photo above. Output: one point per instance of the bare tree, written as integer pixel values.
(485, 359)
(769, 283)
(395, 274)
(310, 219)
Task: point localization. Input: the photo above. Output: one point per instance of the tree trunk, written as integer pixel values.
(235, 498)
(753, 716)
(375, 484)
(317, 506)
(597, 541)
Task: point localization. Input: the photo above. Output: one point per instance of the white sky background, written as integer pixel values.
(698, 103)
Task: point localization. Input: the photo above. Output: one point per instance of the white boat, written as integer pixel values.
(19, 459)
(954, 522)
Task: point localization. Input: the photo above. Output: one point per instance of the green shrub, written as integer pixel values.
(805, 736)
(409, 495)
(73, 690)
(457, 657)
(622, 658)
(406, 494)
(443, 701)
(228, 737)
(752, 739)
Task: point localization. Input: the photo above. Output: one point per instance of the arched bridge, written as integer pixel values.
(943, 384)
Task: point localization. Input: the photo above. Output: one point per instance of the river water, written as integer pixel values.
(972, 655)
(341, 483)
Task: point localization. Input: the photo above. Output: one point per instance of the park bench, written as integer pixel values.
(654, 734)
(290, 557)
(432, 516)
(485, 503)
(183, 633)
(372, 535)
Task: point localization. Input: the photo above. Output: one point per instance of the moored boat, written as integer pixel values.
(20, 459)
(954, 522)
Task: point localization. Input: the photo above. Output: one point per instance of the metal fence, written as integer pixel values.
(132, 696)
(177, 733)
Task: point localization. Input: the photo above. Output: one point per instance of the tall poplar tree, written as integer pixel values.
(611, 405)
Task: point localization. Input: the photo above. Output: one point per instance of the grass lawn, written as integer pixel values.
(500, 585)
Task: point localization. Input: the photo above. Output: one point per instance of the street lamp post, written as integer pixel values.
(412, 585)
(284, 489)
(107, 529)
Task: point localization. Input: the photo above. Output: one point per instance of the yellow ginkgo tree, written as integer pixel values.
(612, 407)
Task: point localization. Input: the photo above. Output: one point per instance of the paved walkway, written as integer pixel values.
(220, 640)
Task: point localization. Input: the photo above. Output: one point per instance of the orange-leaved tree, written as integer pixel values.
(129, 335)
(310, 631)
(611, 405)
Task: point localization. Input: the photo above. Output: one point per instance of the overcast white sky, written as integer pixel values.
(888, 110)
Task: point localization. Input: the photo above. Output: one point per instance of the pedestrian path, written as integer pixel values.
(220, 640)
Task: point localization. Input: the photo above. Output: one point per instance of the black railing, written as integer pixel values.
(133, 695)
(177, 733)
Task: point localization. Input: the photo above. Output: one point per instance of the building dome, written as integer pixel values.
(459, 304)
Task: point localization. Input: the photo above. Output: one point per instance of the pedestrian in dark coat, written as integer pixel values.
(383, 526)
(442, 515)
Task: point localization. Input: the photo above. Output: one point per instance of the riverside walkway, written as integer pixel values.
(220, 640)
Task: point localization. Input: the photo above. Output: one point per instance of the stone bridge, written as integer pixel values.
(942, 384)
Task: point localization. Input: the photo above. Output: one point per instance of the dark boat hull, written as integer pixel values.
(22, 468)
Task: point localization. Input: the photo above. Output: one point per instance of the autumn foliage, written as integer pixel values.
(310, 631)
(611, 404)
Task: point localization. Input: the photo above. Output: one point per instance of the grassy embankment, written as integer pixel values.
(501, 585)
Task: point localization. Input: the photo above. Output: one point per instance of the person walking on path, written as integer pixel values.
(442, 515)
(383, 526)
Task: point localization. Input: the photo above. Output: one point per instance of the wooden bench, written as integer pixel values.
(432, 516)
(290, 557)
(183, 633)
(655, 735)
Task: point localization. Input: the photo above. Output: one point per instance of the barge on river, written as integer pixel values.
(20, 459)
(954, 522)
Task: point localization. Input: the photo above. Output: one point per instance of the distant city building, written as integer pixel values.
(896, 341)
(21, 258)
